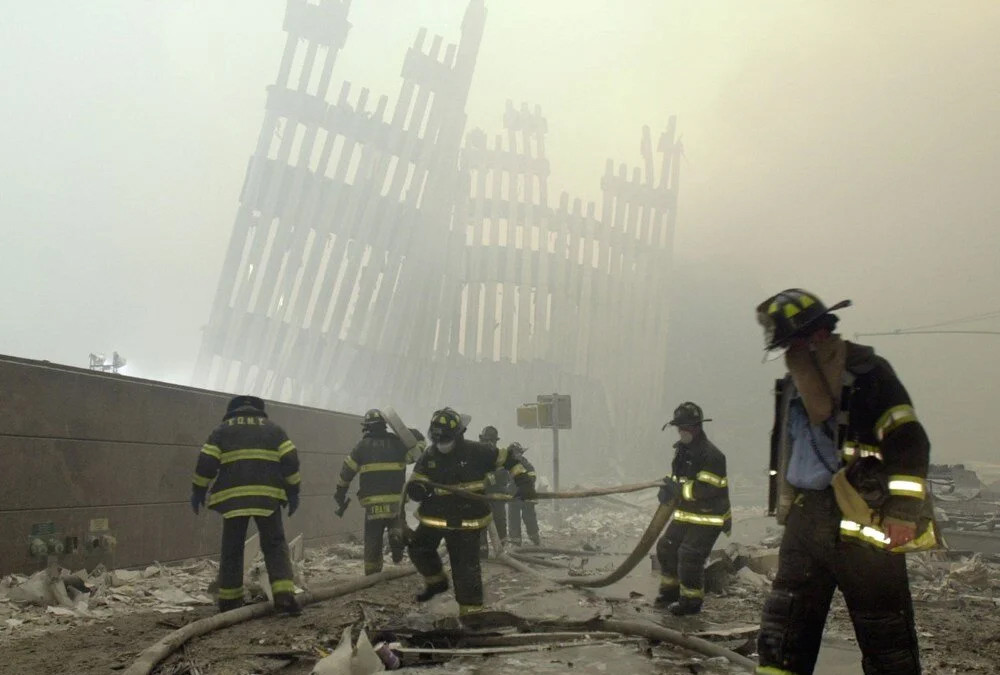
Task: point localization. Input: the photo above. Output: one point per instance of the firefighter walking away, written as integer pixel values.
(848, 474)
(380, 457)
(456, 462)
(699, 485)
(255, 469)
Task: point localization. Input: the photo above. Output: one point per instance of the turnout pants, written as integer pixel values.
(463, 550)
(521, 509)
(813, 561)
(376, 524)
(274, 548)
(682, 552)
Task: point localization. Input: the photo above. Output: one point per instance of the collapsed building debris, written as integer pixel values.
(355, 219)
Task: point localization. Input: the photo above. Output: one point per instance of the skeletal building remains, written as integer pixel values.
(377, 259)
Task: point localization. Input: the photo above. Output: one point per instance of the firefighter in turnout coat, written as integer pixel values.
(454, 461)
(698, 481)
(380, 458)
(518, 508)
(252, 468)
(848, 471)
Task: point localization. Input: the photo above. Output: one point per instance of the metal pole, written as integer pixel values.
(555, 445)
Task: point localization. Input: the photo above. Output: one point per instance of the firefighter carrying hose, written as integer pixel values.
(848, 480)
(256, 469)
(454, 461)
(380, 457)
(698, 481)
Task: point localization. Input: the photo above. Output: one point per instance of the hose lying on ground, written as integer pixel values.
(652, 631)
(647, 630)
(646, 541)
(152, 655)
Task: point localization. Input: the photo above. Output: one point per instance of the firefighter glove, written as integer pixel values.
(293, 503)
(669, 491)
(340, 496)
(417, 491)
(197, 500)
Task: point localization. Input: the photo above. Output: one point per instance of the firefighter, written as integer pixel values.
(381, 458)
(848, 481)
(497, 483)
(519, 508)
(699, 484)
(255, 469)
(452, 460)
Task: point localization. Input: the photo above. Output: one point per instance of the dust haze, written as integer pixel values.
(847, 148)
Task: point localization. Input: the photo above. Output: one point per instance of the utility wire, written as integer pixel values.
(982, 316)
(930, 332)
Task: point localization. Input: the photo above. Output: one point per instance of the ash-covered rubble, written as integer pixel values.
(35, 604)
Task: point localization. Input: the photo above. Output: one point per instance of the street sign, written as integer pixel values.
(555, 411)
(527, 416)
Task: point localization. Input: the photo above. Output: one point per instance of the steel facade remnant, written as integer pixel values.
(377, 258)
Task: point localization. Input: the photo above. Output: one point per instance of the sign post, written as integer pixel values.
(552, 411)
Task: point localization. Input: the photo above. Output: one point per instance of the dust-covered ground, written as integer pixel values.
(956, 604)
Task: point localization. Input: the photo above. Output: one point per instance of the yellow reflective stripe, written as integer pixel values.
(285, 448)
(688, 490)
(441, 523)
(893, 418)
(237, 513)
(247, 491)
(350, 463)
(712, 479)
(701, 518)
(201, 481)
(868, 533)
(469, 609)
(283, 586)
(230, 456)
(852, 450)
(692, 592)
(294, 479)
(667, 581)
(517, 471)
(501, 457)
(435, 578)
(380, 499)
(383, 466)
(772, 670)
(473, 486)
(211, 450)
(231, 593)
(418, 476)
(907, 486)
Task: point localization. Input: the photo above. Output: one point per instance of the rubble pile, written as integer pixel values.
(36, 604)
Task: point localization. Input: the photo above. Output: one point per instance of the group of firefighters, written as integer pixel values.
(848, 466)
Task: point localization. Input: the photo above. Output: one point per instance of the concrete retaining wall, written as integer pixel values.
(77, 445)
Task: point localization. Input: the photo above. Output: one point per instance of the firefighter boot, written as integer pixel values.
(667, 597)
(432, 589)
(226, 605)
(685, 606)
(287, 604)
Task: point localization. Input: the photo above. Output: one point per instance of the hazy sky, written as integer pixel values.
(851, 148)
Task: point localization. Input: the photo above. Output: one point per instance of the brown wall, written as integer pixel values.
(77, 445)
